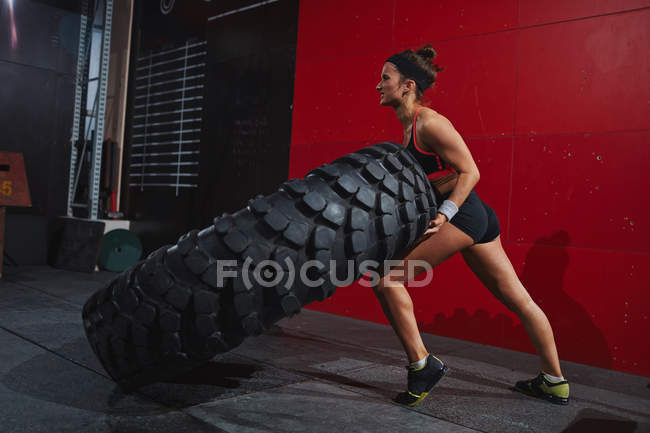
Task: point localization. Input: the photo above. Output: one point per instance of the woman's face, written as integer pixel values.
(390, 88)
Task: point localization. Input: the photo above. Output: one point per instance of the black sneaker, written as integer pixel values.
(540, 387)
(421, 381)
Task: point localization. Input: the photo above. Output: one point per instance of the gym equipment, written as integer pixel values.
(74, 243)
(120, 250)
(176, 310)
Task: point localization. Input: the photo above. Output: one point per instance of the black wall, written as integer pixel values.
(36, 108)
(248, 98)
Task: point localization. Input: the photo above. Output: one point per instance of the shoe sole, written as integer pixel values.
(562, 401)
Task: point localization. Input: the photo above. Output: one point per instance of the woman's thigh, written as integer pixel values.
(489, 262)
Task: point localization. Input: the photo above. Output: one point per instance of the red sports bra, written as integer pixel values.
(430, 161)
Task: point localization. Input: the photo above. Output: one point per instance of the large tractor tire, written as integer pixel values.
(174, 311)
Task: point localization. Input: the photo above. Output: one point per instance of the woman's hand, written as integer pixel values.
(435, 224)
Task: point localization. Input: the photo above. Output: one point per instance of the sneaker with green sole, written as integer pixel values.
(421, 381)
(541, 387)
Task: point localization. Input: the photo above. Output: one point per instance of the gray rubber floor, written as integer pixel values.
(312, 373)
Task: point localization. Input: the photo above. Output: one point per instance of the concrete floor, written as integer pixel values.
(312, 373)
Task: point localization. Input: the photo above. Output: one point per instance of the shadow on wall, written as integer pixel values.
(577, 337)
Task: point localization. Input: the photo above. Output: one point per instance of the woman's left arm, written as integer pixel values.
(439, 135)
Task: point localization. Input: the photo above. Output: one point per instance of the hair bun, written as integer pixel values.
(427, 52)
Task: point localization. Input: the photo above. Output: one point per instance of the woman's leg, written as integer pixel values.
(395, 299)
(491, 265)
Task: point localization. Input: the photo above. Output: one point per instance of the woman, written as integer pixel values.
(463, 223)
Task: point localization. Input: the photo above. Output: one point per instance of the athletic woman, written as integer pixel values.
(463, 223)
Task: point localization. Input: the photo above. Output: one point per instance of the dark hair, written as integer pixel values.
(423, 59)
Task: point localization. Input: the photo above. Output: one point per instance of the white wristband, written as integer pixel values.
(448, 208)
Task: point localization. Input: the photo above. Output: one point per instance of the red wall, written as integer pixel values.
(552, 99)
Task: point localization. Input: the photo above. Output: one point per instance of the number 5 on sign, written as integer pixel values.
(6, 189)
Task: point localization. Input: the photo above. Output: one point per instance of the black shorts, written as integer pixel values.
(475, 218)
